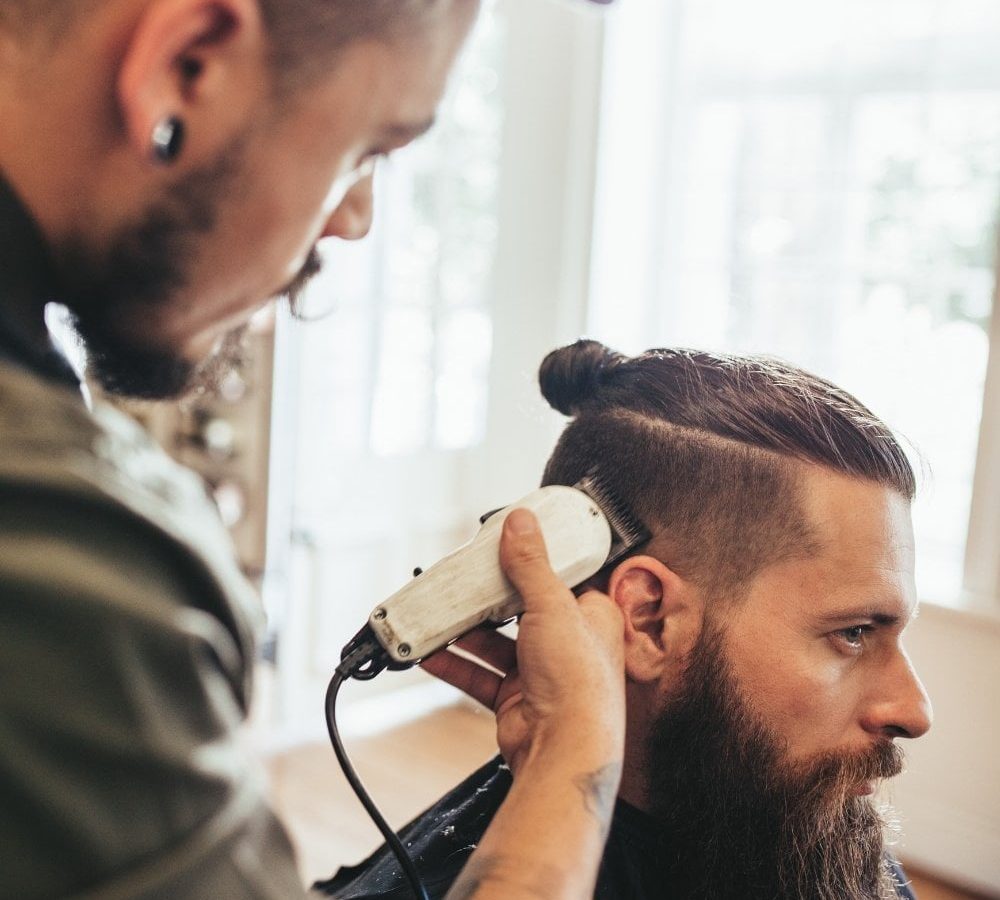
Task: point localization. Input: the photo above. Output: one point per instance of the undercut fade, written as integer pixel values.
(708, 448)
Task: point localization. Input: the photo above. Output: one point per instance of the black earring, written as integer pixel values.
(168, 137)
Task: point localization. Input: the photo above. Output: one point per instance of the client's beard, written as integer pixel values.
(738, 822)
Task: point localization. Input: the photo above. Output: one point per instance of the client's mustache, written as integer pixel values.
(837, 774)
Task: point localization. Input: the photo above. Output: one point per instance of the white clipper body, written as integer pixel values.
(467, 587)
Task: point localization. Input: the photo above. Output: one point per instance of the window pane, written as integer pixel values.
(388, 369)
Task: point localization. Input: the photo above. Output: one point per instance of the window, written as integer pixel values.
(407, 337)
(822, 185)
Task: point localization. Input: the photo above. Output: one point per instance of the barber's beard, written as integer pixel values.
(141, 272)
(737, 823)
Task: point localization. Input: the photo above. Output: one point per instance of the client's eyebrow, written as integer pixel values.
(864, 613)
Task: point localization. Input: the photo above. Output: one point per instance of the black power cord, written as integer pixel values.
(363, 658)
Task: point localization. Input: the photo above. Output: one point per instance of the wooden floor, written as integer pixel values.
(405, 769)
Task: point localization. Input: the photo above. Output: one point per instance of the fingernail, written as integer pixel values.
(522, 522)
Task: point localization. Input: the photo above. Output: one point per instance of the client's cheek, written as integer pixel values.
(820, 689)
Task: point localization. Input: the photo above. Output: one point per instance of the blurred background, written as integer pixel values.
(816, 181)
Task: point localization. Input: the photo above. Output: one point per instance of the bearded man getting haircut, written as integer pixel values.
(166, 168)
(766, 681)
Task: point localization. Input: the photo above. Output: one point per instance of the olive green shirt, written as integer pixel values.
(126, 648)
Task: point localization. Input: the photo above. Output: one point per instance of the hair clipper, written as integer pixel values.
(585, 529)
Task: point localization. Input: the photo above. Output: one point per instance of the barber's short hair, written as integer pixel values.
(306, 35)
(705, 448)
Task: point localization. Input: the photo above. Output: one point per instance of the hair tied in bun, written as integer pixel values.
(572, 375)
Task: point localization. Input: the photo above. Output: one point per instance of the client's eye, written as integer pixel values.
(853, 638)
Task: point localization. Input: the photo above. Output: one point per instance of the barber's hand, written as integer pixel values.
(562, 682)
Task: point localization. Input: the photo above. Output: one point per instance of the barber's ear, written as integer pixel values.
(201, 62)
(662, 616)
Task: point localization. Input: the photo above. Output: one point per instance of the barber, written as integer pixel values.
(166, 167)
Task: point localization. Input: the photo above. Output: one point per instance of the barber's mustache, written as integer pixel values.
(312, 266)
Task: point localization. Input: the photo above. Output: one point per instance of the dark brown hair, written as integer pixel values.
(705, 448)
(307, 35)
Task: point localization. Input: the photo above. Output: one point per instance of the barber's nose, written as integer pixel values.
(901, 707)
(352, 219)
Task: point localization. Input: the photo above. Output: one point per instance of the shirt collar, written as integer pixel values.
(26, 283)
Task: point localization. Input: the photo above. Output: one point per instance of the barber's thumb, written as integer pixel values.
(522, 522)
(524, 557)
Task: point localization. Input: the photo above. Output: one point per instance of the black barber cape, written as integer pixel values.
(442, 838)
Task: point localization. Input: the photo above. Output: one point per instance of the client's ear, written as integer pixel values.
(662, 616)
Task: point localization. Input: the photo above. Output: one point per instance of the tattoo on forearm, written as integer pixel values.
(599, 789)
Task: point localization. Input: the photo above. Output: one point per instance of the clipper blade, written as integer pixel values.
(627, 532)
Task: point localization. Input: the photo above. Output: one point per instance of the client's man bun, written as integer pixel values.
(572, 375)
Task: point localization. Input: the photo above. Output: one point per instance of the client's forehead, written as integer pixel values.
(864, 550)
(855, 517)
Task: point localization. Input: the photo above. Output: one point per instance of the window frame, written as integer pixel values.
(982, 547)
